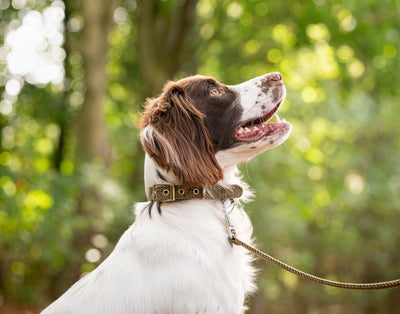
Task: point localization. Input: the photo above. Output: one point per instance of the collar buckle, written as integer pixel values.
(163, 192)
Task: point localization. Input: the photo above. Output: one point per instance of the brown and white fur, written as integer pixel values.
(176, 257)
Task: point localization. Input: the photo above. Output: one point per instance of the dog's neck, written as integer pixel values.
(153, 175)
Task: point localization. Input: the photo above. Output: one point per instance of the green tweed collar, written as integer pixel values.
(172, 192)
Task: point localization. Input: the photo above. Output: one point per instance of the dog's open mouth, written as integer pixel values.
(254, 130)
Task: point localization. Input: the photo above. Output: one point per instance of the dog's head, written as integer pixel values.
(197, 126)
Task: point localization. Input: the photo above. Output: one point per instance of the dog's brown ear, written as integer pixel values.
(177, 139)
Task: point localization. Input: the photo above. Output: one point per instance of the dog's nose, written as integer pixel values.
(276, 76)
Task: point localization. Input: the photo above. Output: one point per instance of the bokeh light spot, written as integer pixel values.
(234, 10)
(100, 241)
(318, 32)
(13, 87)
(44, 146)
(207, 31)
(309, 94)
(389, 51)
(93, 255)
(41, 165)
(347, 22)
(315, 155)
(303, 144)
(67, 167)
(355, 183)
(252, 46)
(345, 53)
(38, 198)
(8, 186)
(315, 173)
(274, 55)
(205, 9)
(5, 107)
(4, 4)
(355, 68)
(18, 268)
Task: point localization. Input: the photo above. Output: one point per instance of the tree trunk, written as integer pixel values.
(93, 140)
(163, 35)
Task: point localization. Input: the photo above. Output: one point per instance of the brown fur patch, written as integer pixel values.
(181, 143)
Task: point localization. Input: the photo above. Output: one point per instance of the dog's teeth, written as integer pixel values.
(277, 120)
(240, 131)
(255, 129)
(246, 130)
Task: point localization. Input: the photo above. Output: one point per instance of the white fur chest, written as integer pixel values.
(178, 262)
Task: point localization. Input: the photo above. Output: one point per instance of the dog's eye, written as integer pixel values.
(214, 91)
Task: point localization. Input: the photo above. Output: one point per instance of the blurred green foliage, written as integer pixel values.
(327, 199)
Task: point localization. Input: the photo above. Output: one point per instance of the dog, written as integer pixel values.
(176, 257)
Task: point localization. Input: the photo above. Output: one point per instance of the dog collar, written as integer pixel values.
(172, 192)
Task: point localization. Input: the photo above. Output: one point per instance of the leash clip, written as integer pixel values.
(231, 228)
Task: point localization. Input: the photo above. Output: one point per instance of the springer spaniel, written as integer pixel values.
(178, 259)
